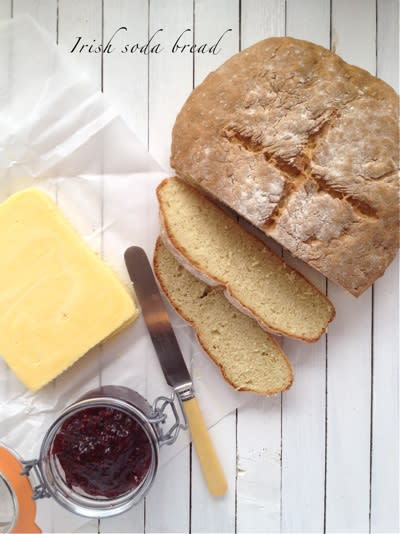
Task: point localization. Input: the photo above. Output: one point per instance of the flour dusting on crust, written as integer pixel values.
(305, 147)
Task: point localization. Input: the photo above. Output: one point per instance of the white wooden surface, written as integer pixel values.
(323, 457)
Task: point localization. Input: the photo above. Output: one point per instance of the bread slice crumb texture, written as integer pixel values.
(249, 358)
(255, 279)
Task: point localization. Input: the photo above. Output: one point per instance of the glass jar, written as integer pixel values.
(100, 456)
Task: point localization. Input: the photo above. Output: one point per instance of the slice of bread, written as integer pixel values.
(249, 358)
(218, 250)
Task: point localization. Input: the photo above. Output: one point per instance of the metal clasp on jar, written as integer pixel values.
(39, 491)
(159, 417)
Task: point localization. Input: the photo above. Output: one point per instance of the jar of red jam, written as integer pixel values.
(100, 456)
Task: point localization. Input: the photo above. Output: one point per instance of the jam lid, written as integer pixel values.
(18, 509)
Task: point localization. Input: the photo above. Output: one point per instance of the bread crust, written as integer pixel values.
(305, 147)
(167, 293)
(182, 257)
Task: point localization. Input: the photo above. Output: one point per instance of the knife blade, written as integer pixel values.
(173, 364)
(157, 320)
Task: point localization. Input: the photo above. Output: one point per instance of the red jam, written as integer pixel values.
(103, 452)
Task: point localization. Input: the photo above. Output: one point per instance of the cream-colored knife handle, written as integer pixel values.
(209, 462)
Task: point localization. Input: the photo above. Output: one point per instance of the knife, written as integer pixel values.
(173, 365)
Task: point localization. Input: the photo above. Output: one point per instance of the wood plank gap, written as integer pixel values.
(57, 39)
(371, 432)
(54, 386)
(240, 25)
(148, 148)
(330, 46)
(281, 396)
(57, 20)
(148, 79)
(236, 411)
(376, 37)
(102, 48)
(144, 515)
(102, 180)
(194, 42)
(326, 394)
(191, 445)
(285, 17)
(237, 463)
(102, 156)
(281, 443)
(190, 487)
(371, 422)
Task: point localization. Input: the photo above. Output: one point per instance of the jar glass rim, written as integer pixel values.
(82, 504)
(10, 504)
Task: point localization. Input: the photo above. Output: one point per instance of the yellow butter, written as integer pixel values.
(58, 299)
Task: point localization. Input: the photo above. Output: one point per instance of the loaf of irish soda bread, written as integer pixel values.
(306, 148)
(249, 358)
(217, 249)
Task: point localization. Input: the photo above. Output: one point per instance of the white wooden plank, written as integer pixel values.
(51, 517)
(170, 74)
(84, 20)
(303, 407)
(125, 80)
(215, 21)
(5, 9)
(385, 415)
(261, 19)
(216, 514)
(44, 12)
(129, 94)
(209, 514)
(77, 19)
(170, 82)
(354, 32)
(388, 42)
(309, 20)
(303, 429)
(348, 438)
(259, 466)
(349, 338)
(5, 14)
(259, 423)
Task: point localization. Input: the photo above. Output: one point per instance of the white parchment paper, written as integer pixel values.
(59, 134)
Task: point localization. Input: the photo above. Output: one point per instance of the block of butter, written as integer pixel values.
(58, 299)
